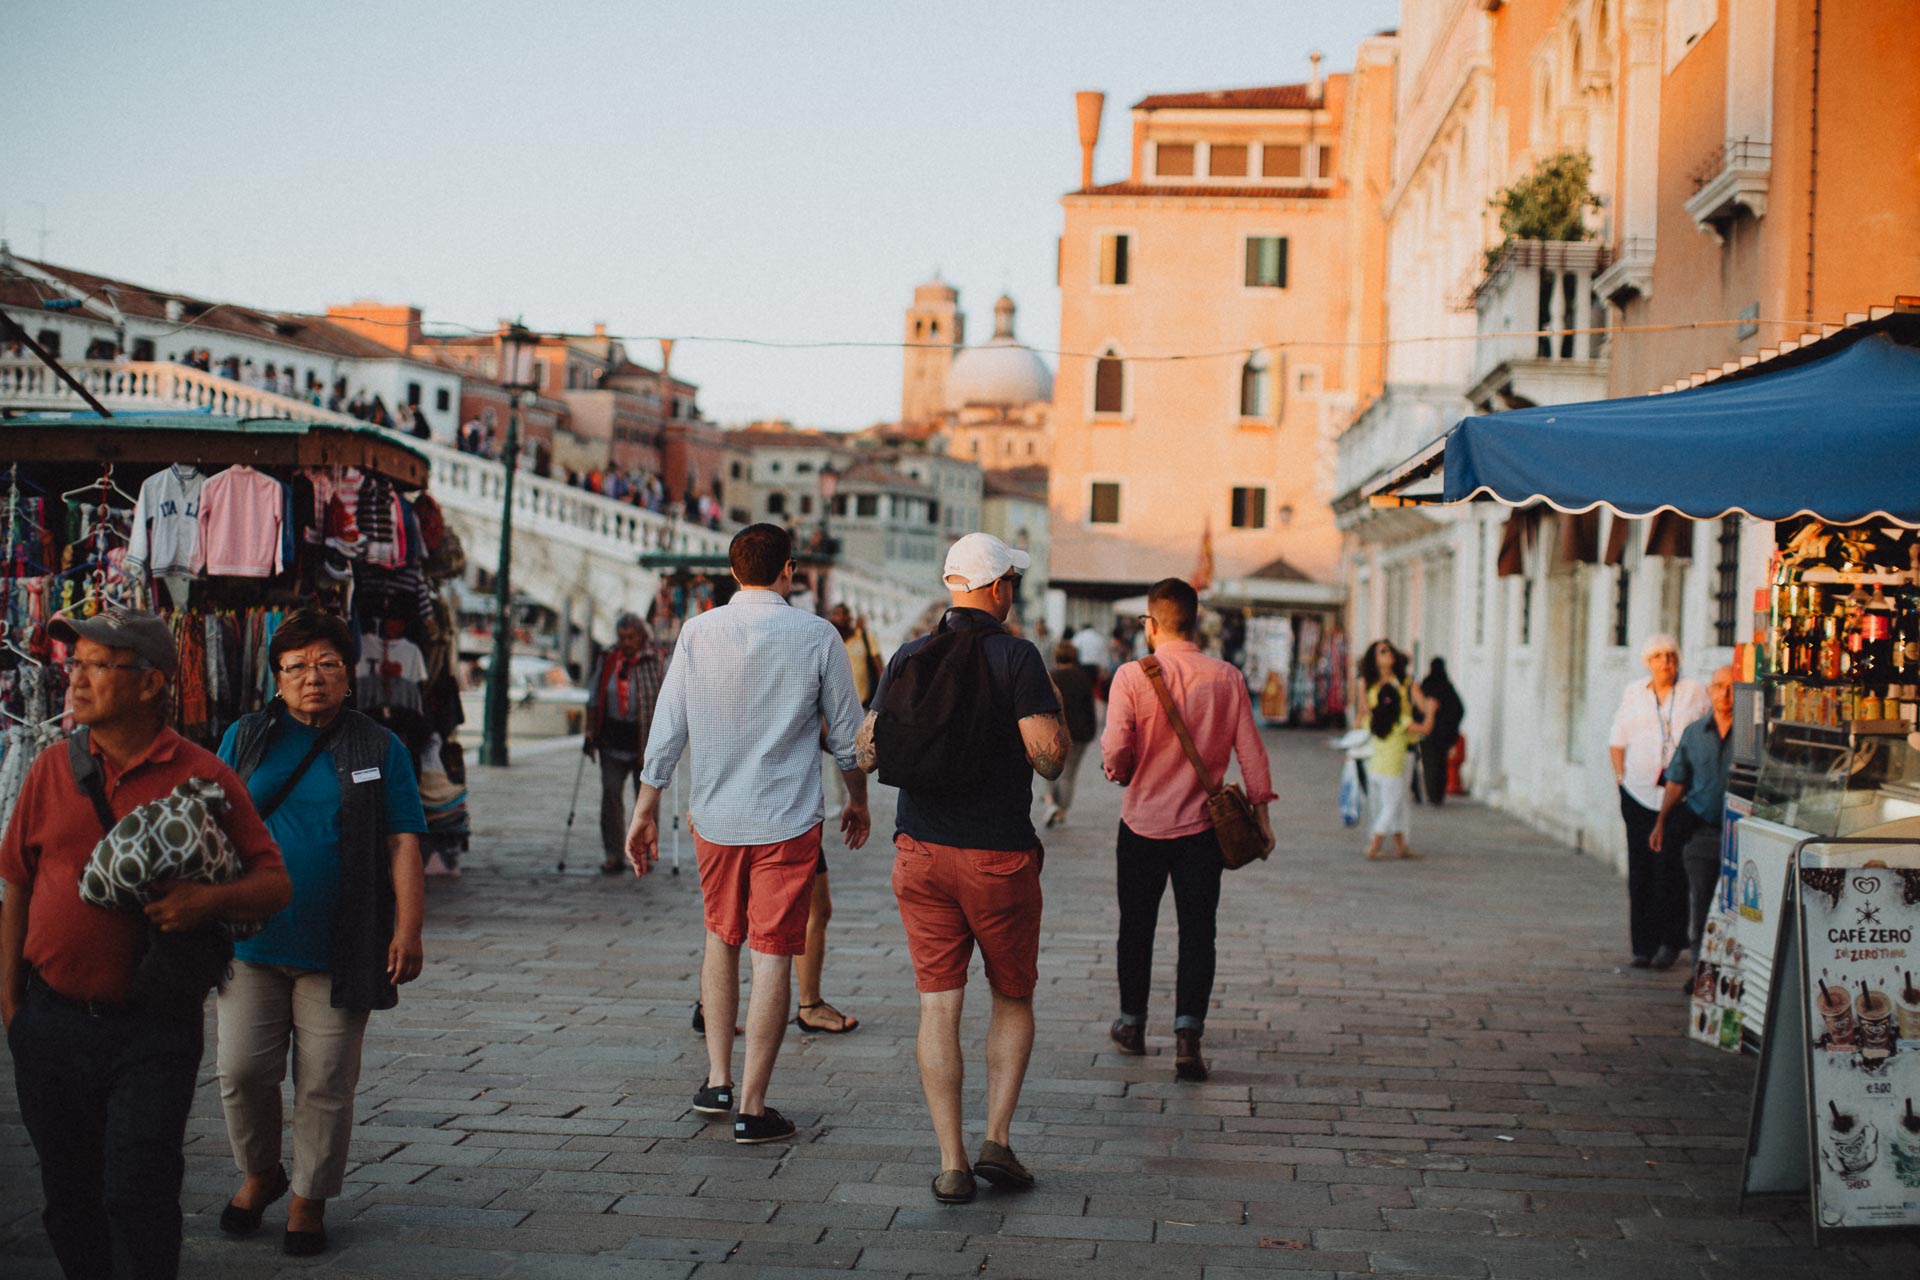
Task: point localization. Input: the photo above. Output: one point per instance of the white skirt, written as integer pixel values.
(1388, 796)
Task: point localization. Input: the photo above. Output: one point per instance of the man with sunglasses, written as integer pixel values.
(105, 1084)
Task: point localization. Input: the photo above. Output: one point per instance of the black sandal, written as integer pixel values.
(846, 1023)
(236, 1221)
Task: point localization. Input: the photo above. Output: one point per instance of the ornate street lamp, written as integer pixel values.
(517, 346)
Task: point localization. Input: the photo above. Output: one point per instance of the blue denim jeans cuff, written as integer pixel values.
(1133, 1019)
(1189, 1024)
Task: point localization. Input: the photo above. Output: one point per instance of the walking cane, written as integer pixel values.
(572, 809)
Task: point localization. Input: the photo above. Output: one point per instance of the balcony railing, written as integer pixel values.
(1538, 313)
(1733, 178)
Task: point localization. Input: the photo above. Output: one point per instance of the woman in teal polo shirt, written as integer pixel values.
(338, 795)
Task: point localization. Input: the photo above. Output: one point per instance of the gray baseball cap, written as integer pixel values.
(144, 633)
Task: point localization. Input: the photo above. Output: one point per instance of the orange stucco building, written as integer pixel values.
(1247, 233)
(1784, 183)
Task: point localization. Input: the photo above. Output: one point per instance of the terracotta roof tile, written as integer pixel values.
(1221, 190)
(1273, 97)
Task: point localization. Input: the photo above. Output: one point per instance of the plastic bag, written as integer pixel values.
(1351, 798)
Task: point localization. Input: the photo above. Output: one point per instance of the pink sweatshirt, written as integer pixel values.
(240, 514)
(1141, 751)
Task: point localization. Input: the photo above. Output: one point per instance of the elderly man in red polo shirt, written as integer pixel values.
(105, 1083)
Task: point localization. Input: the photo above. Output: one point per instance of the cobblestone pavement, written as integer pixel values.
(1421, 1068)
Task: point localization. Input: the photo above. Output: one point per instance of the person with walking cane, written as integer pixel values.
(621, 695)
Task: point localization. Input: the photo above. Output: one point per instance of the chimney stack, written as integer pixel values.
(666, 357)
(1317, 85)
(1088, 103)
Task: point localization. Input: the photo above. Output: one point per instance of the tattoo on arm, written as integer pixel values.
(1047, 742)
(864, 753)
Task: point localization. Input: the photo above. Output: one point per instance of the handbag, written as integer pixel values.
(1228, 808)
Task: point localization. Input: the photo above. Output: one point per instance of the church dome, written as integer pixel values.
(1001, 372)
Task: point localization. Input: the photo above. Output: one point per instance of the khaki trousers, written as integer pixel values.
(263, 1009)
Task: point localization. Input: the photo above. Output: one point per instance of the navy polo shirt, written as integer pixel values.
(999, 814)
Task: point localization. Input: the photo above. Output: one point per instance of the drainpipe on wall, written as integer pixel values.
(1813, 156)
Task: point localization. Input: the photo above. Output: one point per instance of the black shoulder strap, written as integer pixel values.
(86, 772)
(321, 743)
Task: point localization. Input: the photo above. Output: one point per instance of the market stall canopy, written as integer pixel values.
(210, 440)
(1831, 429)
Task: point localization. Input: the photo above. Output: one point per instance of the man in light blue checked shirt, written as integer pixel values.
(749, 687)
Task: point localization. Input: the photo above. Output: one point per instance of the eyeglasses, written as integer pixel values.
(76, 666)
(326, 670)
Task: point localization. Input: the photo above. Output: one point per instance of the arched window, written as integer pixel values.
(1253, 386)
(1109, 383)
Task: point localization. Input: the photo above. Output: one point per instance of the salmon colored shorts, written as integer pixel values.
(952, 898)
(759, 893)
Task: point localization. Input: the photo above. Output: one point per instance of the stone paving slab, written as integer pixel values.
(1429, 1068)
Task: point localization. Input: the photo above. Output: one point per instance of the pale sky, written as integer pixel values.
(770, 171)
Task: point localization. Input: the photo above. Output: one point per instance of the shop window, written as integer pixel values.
(1224, 161)
(1253, 386)
(1249, 508)
(1109, 383)
(1103, 502)
(1622, 610)
(1726, 584)
(443, 399)
(1266, 262)
(1281, 160)
(1115, 254)
(1173, 160)
(1323, 168)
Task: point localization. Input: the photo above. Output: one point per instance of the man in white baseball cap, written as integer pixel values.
(966, 870)
(979, 559)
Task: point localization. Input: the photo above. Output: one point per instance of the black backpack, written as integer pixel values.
(934, 730)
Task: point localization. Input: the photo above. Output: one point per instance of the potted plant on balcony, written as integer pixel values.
(1550, 203)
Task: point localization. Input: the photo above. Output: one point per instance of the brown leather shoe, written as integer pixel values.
(1130, 1036)
(1187, 1062)
(953, 1186)
(998, 1165)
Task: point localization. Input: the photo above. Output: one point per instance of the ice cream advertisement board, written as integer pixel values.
(1860, 939)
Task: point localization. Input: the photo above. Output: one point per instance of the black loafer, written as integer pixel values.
(768, 1126)
(714, 1100)
(303, 1244)
(236, 1221)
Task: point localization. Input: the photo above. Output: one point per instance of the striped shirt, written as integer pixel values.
(748, 688)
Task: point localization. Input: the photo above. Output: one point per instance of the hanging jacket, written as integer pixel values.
(166, 522)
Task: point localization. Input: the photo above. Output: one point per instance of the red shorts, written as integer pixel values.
(952, 898)
(759, 893)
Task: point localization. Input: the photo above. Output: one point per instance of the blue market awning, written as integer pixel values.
(1829, 430)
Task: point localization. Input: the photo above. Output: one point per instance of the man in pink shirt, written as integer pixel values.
(1164, 830)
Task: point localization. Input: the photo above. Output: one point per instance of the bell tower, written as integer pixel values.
(934, 329)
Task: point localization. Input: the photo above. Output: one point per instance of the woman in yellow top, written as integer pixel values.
(1398, 715)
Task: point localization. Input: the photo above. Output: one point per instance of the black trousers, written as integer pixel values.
(105, 1099)
(1433, 766)
(1701, 859)
(1656, 882)
(1143, 868)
